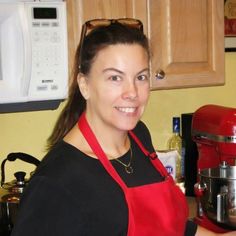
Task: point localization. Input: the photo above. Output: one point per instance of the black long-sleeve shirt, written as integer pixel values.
(72, 194)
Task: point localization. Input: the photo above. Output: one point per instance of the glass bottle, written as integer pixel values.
(175, 143)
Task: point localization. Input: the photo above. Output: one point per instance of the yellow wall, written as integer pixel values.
(28, 131)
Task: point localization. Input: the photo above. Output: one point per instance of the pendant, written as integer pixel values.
(129, 169)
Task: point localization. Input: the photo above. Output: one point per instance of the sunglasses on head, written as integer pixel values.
(90, 25)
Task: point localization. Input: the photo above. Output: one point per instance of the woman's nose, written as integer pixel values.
(130, 91)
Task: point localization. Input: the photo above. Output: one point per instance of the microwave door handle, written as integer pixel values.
(27, 50)
(1, 54)
(1, 67)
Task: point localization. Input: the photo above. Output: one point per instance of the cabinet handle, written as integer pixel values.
(160, 74)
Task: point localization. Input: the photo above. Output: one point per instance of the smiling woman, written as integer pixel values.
(116, 90)
(101, 175)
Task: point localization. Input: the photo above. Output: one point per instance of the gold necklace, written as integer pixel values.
(128, 168)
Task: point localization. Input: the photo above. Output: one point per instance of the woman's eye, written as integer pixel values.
(115, 78)
(142, 77)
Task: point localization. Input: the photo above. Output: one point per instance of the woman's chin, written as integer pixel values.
(128, 125)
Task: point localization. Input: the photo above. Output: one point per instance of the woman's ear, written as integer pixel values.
(83, 85)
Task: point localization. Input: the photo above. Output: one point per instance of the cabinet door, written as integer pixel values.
(187, 41)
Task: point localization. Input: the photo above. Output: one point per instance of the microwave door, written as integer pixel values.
(13, 82)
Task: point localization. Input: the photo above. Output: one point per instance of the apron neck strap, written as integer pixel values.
(96, 148)
(152, 155)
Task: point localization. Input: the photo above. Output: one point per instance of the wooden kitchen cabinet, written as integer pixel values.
(187, 37)
(187, 40)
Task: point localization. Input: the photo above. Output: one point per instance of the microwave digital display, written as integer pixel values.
(44, 13)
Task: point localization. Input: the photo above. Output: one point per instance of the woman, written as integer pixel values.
(101, 175)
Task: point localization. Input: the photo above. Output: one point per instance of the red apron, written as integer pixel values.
(154, 209)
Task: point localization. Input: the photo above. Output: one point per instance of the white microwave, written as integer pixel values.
(33, 55)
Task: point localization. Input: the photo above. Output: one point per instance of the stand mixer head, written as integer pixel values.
(214, 131)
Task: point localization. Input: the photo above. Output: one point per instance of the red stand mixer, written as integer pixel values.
(214, 131)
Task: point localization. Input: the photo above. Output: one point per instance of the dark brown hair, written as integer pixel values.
(95, 41)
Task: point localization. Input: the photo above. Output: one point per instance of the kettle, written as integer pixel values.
(10, 193)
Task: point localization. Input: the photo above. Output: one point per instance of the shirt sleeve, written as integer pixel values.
(42, 210)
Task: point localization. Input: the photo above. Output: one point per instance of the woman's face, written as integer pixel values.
(117, 87)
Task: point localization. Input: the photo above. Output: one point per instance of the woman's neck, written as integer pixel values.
(114, 142)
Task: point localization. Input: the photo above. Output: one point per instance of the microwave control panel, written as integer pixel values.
(49, 70)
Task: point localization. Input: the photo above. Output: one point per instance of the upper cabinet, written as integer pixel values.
(187, 40)
(186, 37)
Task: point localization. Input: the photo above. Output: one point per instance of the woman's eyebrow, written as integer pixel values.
(144, 70)
(113, 69)
(121, 72)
